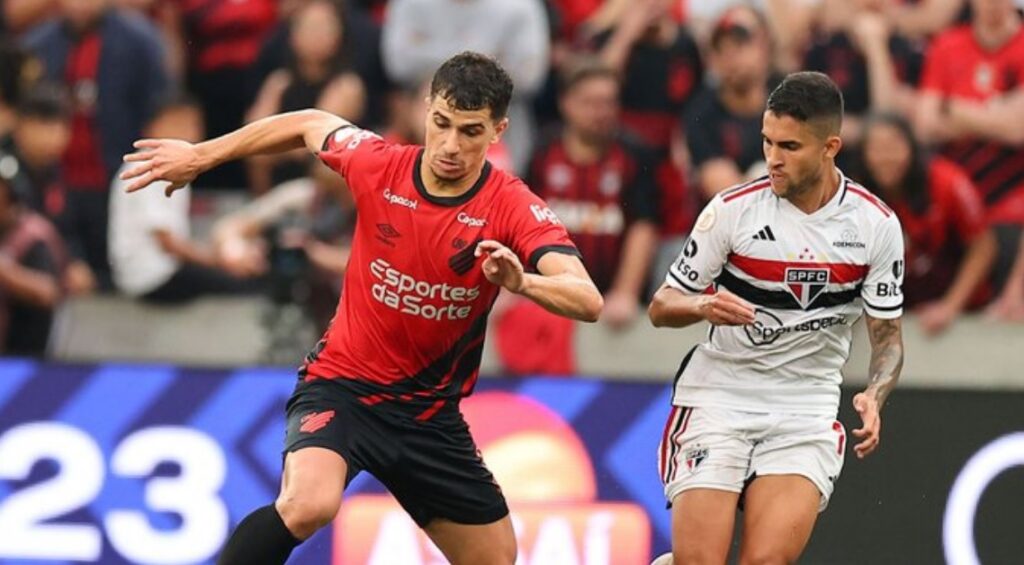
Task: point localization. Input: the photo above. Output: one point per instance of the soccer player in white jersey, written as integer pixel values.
(793, 259)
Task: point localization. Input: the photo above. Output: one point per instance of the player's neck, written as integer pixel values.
(816, 198)
(446, 188)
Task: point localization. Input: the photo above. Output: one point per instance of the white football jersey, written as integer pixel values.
(809, 276)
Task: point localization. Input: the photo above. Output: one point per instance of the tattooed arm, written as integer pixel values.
(886, 338)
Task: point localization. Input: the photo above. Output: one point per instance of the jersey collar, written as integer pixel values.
(417, 180)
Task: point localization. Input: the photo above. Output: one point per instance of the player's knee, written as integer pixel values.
(503, 553)
(765, 556)
(697, 555)
(305, 514)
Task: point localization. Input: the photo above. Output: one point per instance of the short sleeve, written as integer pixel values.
(358, 155)
(883, 288)
(705, 252)
(535, 230)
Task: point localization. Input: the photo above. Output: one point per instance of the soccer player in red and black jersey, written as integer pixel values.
(439, 233)
(949, 245)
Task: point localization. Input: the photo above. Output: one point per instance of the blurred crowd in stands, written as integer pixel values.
(628, 115)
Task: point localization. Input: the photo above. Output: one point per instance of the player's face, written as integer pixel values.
(457, 140)
(887, 154)
(796, 155)
(591, 108)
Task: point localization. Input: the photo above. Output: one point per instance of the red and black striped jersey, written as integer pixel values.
(957, 66)
(937, 237)
(410, 324)
(598, 201)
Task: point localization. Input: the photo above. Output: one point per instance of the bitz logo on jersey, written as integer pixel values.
(404, 293)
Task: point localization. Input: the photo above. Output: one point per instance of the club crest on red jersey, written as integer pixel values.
(806, 284)
(315, 421)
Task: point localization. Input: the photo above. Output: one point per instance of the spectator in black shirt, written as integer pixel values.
(723, 125)
(875, 68)
(31, 262)
(30, 159)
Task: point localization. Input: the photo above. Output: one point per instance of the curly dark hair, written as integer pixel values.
(473, 81)
(809, 96)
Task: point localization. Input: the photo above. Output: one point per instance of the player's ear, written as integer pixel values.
(832, 146)
(499, 128)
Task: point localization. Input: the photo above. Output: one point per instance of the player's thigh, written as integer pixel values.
(319, 440)
(441, 481)
(778, 517)
(472, 544)
(704, 460)
(313, 475)
(702, 526)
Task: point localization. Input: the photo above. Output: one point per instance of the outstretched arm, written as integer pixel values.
(562, 285)
(179, 162)
(886, 338)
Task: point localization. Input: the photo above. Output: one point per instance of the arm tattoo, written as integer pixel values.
(886, 356)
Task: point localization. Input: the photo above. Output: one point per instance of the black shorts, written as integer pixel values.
(432, 468)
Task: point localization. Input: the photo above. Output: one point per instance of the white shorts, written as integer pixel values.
(723, 449)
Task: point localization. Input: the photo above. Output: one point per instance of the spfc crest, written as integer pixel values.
(806, 284)
(695, 456)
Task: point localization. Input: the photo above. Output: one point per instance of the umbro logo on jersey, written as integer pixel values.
(388, 231)
(386, 234)
(765, 234)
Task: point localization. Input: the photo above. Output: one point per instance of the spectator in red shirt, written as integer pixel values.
(949, 246)
(601, 184)
(972, 105)
(223, 40)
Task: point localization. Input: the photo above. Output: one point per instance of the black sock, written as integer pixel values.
(260, 539)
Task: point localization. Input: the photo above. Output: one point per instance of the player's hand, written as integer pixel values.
(170, 160)
(726, 309)
(620, 309)
(871, 429)
(501, 267)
